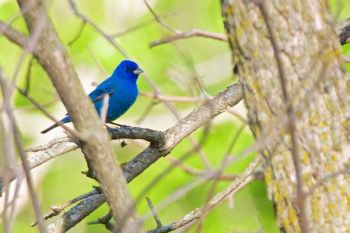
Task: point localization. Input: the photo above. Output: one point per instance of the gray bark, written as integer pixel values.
(310, 56)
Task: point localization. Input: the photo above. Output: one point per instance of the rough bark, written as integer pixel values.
(310, 56)
(94, 139)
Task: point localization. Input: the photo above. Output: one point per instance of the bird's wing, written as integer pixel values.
(98, 94)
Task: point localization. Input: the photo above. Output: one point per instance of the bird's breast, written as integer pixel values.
(121, 101)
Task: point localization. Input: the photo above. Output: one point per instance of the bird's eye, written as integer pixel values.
(128, 69)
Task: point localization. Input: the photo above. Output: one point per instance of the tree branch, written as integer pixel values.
(59, 146)
(12, 34)
(243, 179)
(74, 215)
(57, 209)
(95, 144)
(161, 144)
(178, 34)
(188, 34)
(174, 135)
(6, 94)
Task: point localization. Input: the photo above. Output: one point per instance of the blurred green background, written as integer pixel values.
(192, 67)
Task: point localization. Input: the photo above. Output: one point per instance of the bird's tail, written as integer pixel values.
(51, 127)
(66, 119)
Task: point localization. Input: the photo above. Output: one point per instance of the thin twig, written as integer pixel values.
(136, 27)
(147, 111)
(12, 34)
(154, 213)
(325, 179)
(105, 220)
(46, 113)
(21, 152)
(167, 104)
(87, 20)
(77, 36)
(167, 170)
(57, 209)
(218, 174)
(150, 155)
(180, 99)
(28, 75)
(194, 215)
(159, 19)
(188, 34)
(104, 108)
(208, 174)
(239, 116)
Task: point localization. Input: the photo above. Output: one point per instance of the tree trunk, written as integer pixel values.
(298, 101)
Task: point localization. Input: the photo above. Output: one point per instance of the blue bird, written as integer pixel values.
(121, 88)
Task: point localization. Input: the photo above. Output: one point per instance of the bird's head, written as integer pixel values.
(127, 69)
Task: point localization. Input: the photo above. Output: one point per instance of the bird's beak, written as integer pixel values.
(138, 71)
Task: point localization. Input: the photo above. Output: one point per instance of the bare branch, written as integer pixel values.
(97, 149)
(181, 99)
(135, 27)
(326, 178)
(154, 213)
(105, 220)
(56, 210)
(12, 34)
(194, 215)
(159, 19)
(78, 34)
(178, 34)
(42, 109)
(104, 108)
(21, 152)
(218, 173)
(199, 117)
(171, 137)
(208, 174)
(86, 20)
(188, 34)
(59, 146)
(76, 214)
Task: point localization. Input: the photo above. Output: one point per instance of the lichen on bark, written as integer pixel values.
(320, 90)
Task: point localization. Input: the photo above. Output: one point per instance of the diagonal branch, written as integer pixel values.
(86, 20)
(188, 34)
(174, 135)
(244, 178)
(178, 34)
(6, 94)
(12, 34)
(161, 144)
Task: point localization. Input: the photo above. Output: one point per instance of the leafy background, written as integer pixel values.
(174, 68)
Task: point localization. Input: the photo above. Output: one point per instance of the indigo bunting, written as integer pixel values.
(122, 90)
